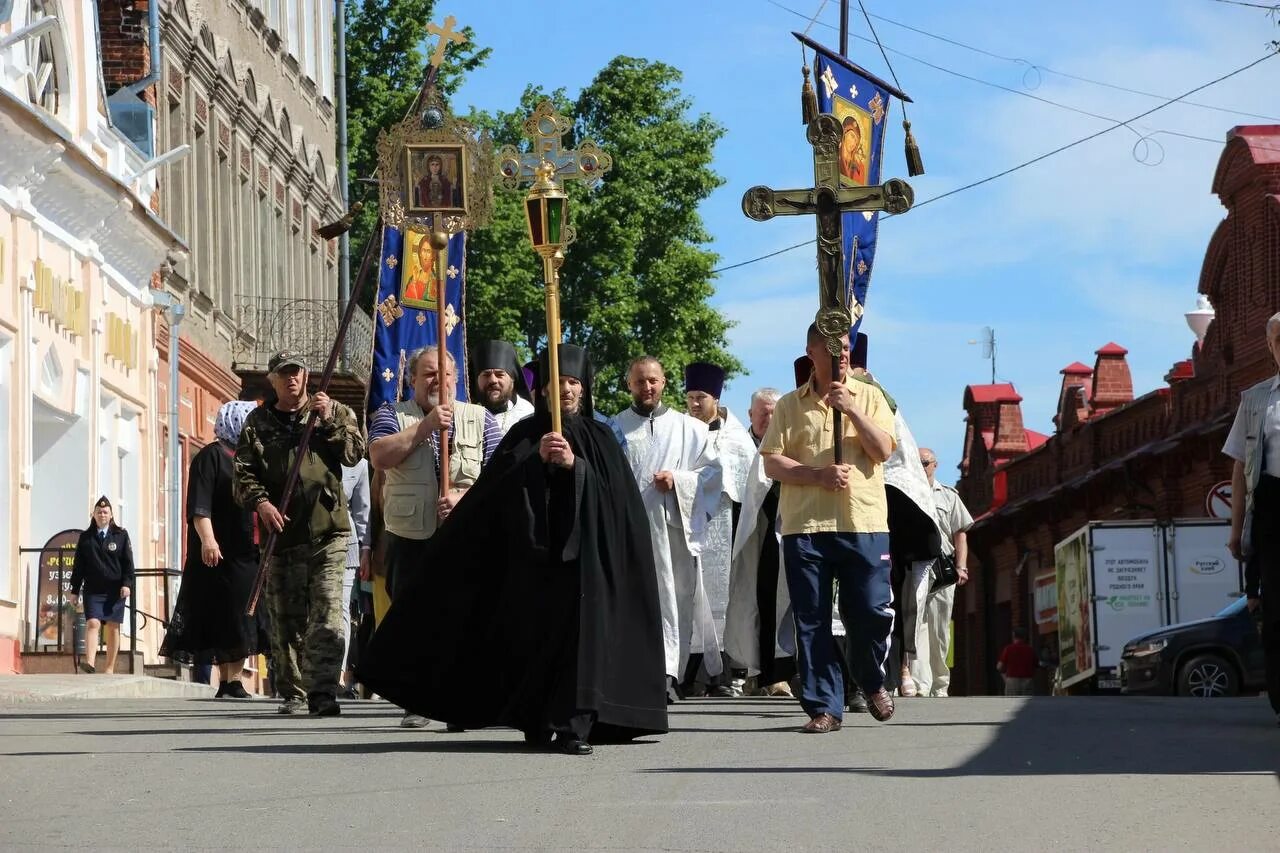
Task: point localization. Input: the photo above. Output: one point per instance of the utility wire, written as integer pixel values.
(1027, 64)
(816, 16)
(1033, 160)
(1274, 7)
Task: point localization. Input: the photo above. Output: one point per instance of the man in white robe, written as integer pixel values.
(675, 466)
(703, 385)
(759, 633)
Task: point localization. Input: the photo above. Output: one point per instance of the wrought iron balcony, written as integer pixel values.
(309, 327)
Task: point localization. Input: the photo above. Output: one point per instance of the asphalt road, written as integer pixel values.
(958, 774)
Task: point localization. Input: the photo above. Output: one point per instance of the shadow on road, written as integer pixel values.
(1074, 736)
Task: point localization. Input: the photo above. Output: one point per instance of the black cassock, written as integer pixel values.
(539, 606)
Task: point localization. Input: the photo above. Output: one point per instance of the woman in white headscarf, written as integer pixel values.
(209, 624)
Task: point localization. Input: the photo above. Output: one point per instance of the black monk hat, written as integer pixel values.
(704, 376)
(804, 368)
(497, 355)
(576, 362)
(858, 355)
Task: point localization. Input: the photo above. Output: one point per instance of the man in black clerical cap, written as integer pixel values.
(567, 606)
(498, 383)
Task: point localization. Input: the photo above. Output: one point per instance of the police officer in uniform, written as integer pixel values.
(304, 577)
(1254, 444)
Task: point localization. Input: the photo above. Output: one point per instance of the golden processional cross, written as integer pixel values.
(547, 165)
(827, 201)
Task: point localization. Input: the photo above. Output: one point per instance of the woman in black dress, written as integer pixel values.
(102, 578)
(209, 624)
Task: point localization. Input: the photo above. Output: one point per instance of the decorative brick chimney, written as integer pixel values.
(1112, 383)
(1073, 399)
(995, 416)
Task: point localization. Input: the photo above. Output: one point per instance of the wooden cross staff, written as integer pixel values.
(827, 202)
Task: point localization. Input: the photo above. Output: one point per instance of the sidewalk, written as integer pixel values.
(22, 689)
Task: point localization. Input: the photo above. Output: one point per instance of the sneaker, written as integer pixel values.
(413, 721)
(323, 705)
(907, 684)
(292, 706)
(780, 689)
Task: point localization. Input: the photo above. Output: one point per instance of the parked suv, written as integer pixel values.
(1218, 656)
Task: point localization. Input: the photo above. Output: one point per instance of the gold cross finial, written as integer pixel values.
(544, 129)
(447, 35)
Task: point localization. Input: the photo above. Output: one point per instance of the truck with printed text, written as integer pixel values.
(1119, 580)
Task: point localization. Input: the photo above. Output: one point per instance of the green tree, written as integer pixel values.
(387, 49)
(638, 278)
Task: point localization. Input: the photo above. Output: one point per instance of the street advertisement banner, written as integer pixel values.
(1075, 594)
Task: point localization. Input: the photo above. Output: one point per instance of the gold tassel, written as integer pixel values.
(915, 165)
(808, 98)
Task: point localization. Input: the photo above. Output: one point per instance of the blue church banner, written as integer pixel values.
(406, 311)
(860, 102)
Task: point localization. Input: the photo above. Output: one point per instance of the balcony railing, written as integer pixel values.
(306, 326)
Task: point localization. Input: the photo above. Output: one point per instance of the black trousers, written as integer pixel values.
(404, 562)
(1264, 565)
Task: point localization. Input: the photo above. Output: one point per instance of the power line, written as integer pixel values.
(1033, 160)
(1274, 7)
(1027, 64)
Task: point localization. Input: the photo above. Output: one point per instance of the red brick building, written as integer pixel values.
(1115, 456)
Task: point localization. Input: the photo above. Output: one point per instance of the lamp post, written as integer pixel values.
(546, 211)
(1200, 318)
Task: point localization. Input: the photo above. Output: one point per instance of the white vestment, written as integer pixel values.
(735, 450)
(671, 441)
(518, 408)
(742, 621)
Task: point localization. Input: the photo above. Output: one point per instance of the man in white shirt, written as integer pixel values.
(1254, 444)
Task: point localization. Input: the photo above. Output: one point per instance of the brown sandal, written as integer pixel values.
(880, 703)
(821, 724)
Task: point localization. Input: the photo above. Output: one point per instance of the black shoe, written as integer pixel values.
(570, 745)
(87, 667)
(222, 691)
(323, 705)
(542, 737)
(233, 690)
(858, 703)
(349, 692)
(721, 691)
(454, 728)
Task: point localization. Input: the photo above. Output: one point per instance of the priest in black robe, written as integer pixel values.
(544, 571)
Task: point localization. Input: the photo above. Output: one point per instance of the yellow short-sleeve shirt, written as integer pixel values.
(801, 430)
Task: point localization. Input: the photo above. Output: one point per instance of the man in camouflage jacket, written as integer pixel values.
(304, 577)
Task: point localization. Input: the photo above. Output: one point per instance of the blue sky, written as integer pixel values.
(1087, 247)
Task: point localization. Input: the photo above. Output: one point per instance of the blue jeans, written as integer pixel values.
(860, 562)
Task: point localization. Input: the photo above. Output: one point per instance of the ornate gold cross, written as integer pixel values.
(828, 202)
(545, 127)
(389, 310)
(447, 35)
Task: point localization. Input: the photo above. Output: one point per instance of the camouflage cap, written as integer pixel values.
(285, 358)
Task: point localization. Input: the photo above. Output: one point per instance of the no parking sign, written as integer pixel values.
(1217, 504)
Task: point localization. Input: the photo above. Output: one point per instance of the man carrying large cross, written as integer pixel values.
(833, 512)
